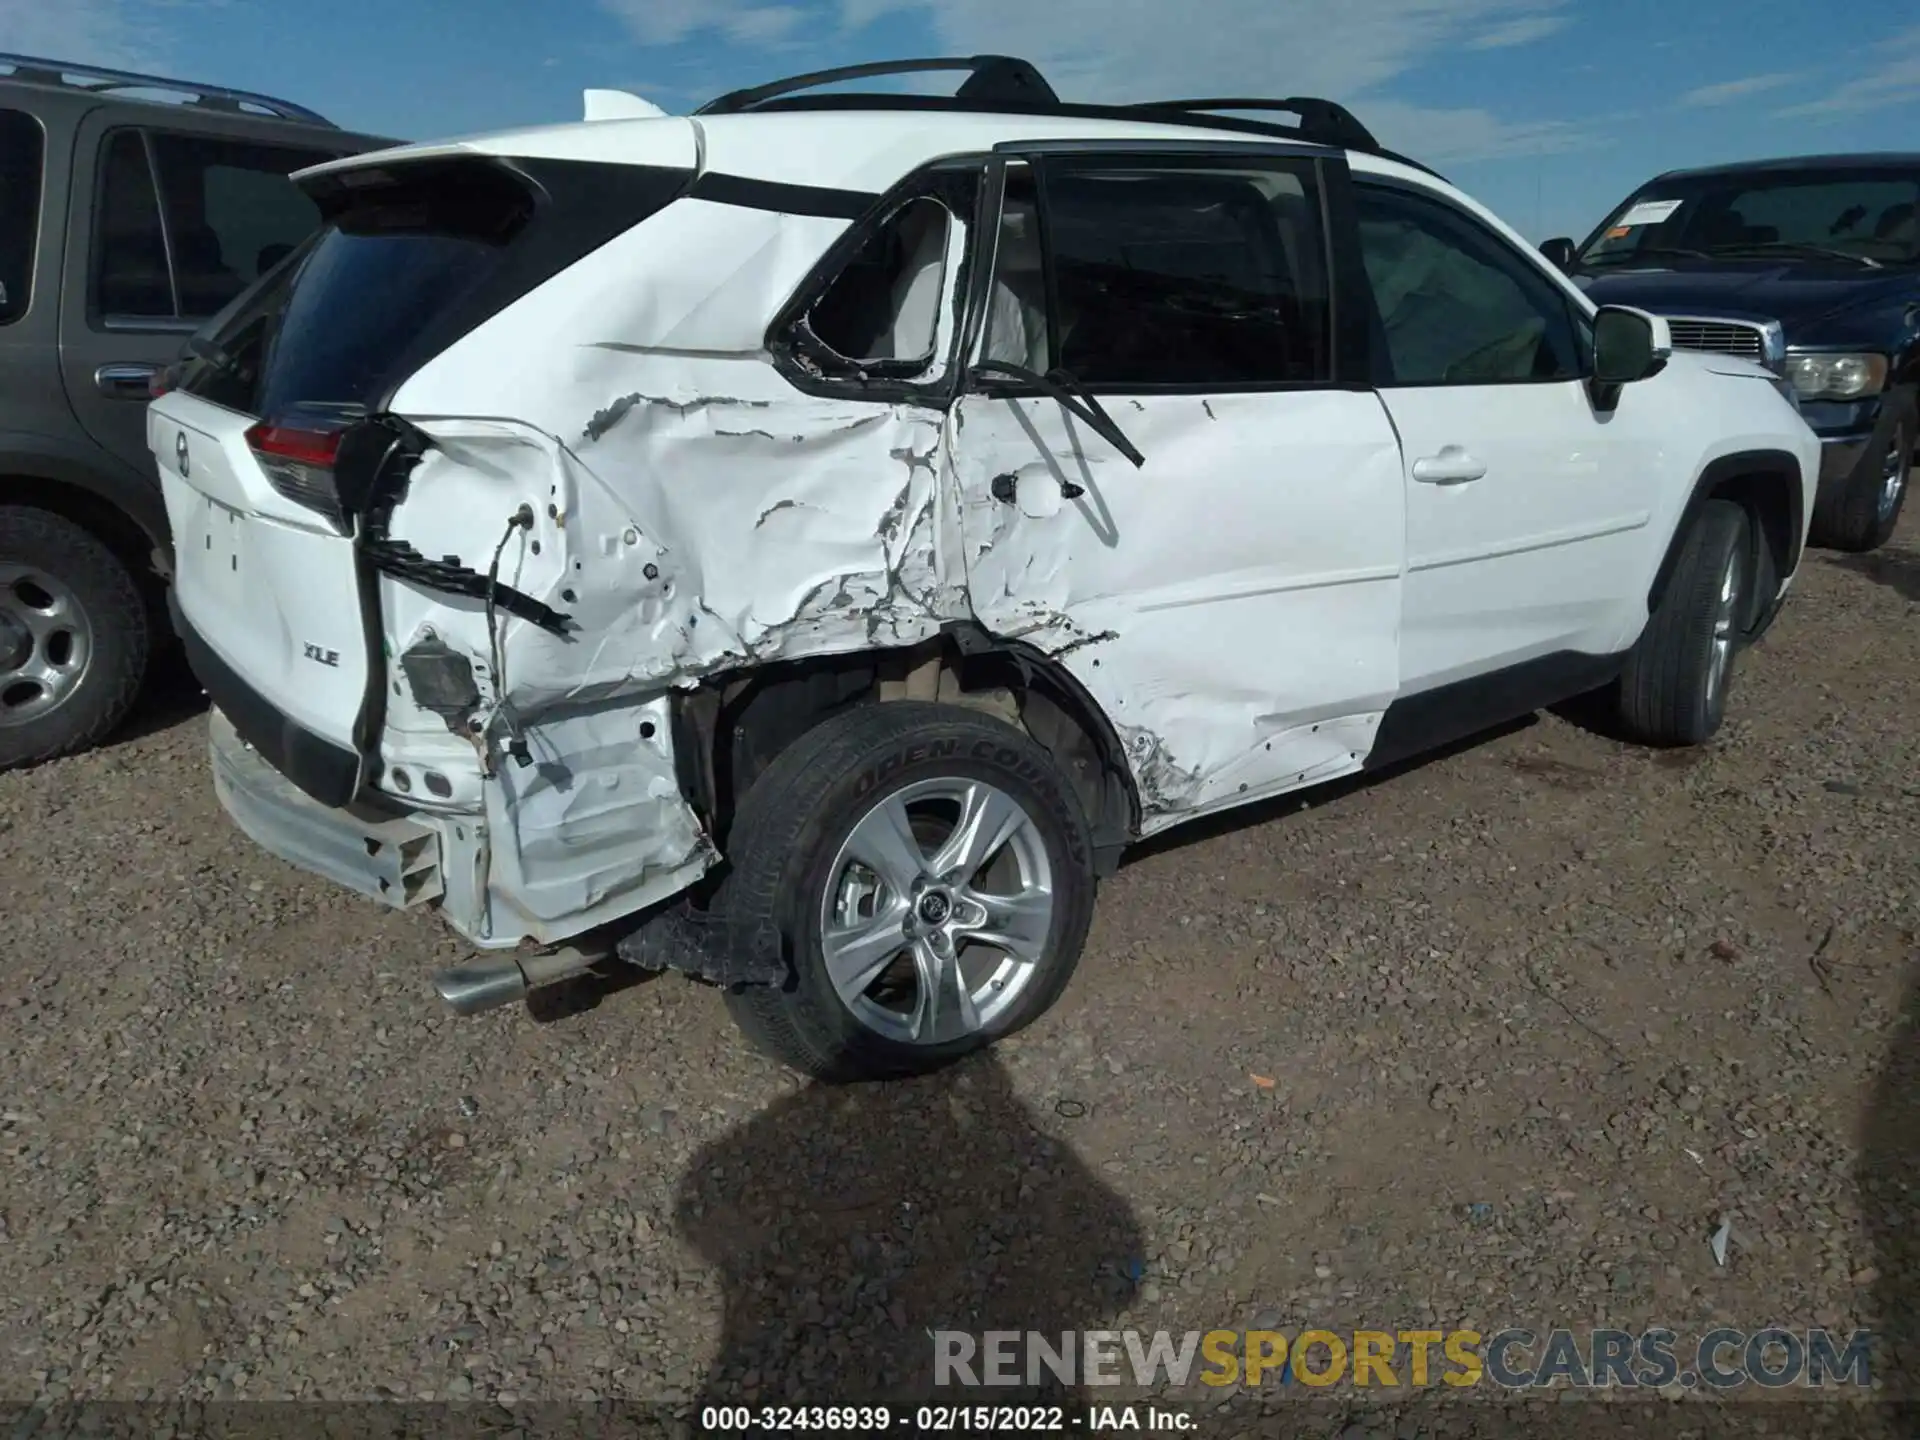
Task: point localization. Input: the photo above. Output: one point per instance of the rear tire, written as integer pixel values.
(1860, 513)
(868, 920)
(1674, 688)
(74, 638)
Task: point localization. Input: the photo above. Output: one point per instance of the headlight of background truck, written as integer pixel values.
(1837, 377)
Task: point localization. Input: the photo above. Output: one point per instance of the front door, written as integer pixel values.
(1233, 600)
(1528, 509)
(166, 228)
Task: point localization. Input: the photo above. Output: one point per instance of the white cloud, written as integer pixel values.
(1347, 50)
(1524, 31)
(1894, 81)
(1441, 137)
(857, 14)
(84, 32)
(669, 22)
(1730, 90)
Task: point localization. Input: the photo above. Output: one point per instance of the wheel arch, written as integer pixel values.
(123, 510)
(731, 727)
(1765, 483)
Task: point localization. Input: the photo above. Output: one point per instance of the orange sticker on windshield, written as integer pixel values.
(1619, 232)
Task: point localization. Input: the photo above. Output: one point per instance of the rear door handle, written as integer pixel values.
(127, 381)
(1452, 466)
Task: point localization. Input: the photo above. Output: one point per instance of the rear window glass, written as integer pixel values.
(22, 154)
(335, 325)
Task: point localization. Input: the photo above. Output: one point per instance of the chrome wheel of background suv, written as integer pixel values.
(1895, 467)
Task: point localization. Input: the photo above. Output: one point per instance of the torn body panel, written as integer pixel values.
(1233, 605)
(684, 507)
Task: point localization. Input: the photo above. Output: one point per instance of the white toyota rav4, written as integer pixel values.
(804, 543)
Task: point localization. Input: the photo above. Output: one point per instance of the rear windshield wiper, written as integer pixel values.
(1069, 394)
(1644, 252)
(1799, 247)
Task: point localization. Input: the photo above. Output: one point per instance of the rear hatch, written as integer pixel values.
(279, 458)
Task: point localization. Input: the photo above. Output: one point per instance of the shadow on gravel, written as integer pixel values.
(1889, 1181)
(1895, 566)
(848, 1222)
(1262, 812)
(171, 695)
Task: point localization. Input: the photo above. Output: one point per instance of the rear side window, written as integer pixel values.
(187, 222)
(232, 213)
(22, 160)
(1207, 275)
(132, 279)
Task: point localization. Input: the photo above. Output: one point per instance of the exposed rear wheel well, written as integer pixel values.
(733, 726)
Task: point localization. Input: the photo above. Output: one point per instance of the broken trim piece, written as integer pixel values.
(708, 945)
(400, 560)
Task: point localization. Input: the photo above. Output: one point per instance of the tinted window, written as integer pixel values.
(333, 327)
(130, 274)
(1871, 214)
(1454, 304)
(22, 154)
(1197, 275)
(232, 213)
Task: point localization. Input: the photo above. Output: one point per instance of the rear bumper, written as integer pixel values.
(387, 858)
(328, 773)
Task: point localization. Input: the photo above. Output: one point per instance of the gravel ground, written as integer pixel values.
(1498, 1040)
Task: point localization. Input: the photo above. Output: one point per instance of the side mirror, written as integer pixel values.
(1628, 345)
(1561, 251)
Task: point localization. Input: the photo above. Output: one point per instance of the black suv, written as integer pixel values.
(1811, 265)
(126, 220)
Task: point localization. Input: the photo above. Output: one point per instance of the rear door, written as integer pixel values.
(167, 227)
(1233, 602)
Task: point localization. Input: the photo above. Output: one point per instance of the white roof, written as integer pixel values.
(835, 149)
(856, 150)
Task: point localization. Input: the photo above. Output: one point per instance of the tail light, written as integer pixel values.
(298, 463)
(161, 381)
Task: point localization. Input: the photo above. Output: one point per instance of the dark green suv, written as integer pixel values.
(126, 220)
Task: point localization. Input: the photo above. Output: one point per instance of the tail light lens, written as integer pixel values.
(162, 380)
(298, 463)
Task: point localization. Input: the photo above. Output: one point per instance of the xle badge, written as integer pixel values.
(322, 657)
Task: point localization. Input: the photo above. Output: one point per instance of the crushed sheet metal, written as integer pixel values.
(595, 826)
(1202, 643)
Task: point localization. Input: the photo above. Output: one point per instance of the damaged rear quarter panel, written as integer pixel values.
(693, 512)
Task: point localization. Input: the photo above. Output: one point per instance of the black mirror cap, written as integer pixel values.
(1622, 346)
(1561, 251)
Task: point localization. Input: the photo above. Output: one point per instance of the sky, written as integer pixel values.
(1549, 111)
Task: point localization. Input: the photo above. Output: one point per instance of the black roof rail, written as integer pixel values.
(1002, 84)
(98, 80)
(991, 80)
(1322, 121)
